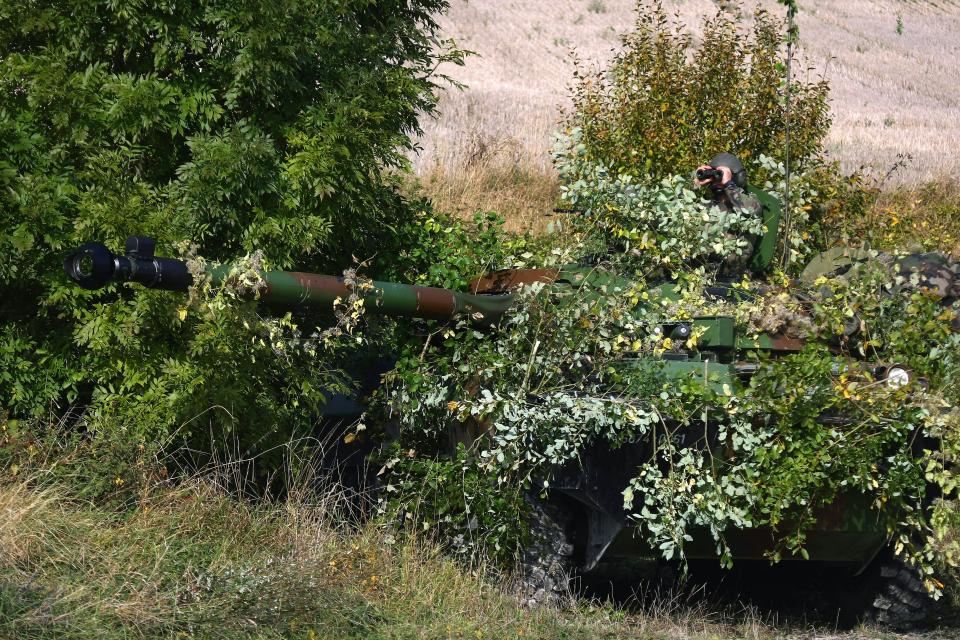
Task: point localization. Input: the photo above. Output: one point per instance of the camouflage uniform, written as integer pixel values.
(735, 198)
(932, 272)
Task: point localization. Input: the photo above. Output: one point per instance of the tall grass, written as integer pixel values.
(192, 559)
(918, 217)
(922, 216)
(494, 174)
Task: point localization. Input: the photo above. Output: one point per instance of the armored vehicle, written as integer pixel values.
(583, 525)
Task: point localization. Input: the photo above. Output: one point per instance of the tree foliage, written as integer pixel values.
(223, 129)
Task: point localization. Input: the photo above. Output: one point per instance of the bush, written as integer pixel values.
(917, 217)
(193, 559)
(665, 106)
(221, 128)
(444, 251)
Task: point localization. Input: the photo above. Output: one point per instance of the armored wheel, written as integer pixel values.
(894, 595)
(547, 560)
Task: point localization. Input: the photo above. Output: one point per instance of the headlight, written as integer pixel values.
(681, 332)
(897, 376)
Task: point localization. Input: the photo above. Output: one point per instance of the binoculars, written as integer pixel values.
(709, 174)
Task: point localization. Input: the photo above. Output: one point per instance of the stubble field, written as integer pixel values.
(892, 67)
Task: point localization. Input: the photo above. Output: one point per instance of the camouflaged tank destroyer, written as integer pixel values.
(584, 524)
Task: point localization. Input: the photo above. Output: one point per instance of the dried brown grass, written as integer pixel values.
(912, 217)
(20, 526)
(495, 175)
(916, 217)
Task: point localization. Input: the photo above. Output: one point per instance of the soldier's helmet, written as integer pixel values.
(736, 167)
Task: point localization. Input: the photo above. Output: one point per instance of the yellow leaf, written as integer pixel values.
(350, 437)
(183, 314)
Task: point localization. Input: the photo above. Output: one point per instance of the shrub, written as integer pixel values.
(924, 216)
(665, 106)
(573, 368)
(444, 251)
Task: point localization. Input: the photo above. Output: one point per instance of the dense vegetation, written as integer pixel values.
(265, 135)
(665, 105)
(224, 130)
(193, 561)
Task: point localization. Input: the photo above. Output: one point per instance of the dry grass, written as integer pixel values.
(893, 93)
(494, 176)
(924, 217)
(912, 218)
(193, 561)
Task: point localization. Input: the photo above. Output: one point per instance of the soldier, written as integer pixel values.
(729, 191)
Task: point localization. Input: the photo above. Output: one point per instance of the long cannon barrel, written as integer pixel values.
(93, 266)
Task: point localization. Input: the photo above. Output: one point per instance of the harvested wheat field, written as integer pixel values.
(892, 67)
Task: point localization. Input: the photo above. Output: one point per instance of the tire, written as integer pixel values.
(547, 560)
(896, 597)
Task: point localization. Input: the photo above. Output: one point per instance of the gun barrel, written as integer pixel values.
(93, 266)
